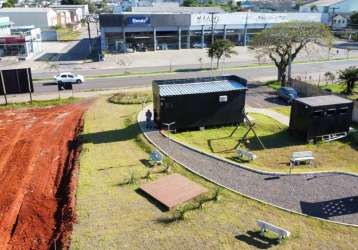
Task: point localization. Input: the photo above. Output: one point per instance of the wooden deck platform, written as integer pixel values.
(173, 190)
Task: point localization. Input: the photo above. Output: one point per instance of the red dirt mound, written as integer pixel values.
(38, 175)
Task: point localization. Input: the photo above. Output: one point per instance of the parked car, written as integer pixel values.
(287, 93)
(67, 77)
(199, 45)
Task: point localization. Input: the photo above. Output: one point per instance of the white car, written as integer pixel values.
(67, 77)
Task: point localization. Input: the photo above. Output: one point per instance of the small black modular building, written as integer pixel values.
(199, 102)
(318, 117)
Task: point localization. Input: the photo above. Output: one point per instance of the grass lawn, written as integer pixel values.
(285, 110)
(113, 216)
(39, 104)
(340, 89)
(274, 84)
(338, 155)
(67, 34)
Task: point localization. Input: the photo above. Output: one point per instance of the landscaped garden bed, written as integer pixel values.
(340, 88)
(338, 155)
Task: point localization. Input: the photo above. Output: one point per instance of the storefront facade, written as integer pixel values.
(142, 32)
(23, 42)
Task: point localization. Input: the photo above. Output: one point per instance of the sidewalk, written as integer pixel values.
(64, 95)
(273, 114)
(172, 59)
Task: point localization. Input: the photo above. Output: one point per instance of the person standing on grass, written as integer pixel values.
(148, 116)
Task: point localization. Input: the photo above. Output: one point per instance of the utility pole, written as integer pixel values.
(245, 31)
(87, 19)
(333, 12)
(212, 36)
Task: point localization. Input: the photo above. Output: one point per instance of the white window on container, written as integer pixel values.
(223, 98)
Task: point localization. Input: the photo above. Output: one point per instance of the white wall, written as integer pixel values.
(239, 18)
(4, 26)
(38, 19)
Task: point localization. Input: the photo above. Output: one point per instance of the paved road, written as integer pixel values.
(262, 73)
(330, 196)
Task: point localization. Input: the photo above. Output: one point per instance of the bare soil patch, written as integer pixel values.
(38, 152)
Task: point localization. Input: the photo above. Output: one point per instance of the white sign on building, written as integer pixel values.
(241, 18)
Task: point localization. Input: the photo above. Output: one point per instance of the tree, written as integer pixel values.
(9, 4)
(190, 3)
(298, 4)
(350, 77)
(221, 48)
(284, 41)
(329, 76)
(354, 19)
(73, 2)
(314, 8)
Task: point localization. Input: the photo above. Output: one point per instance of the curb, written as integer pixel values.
(232, 190)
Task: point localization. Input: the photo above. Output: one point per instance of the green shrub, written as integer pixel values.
(131, 98)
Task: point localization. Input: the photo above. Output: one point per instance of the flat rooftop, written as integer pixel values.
(173, 190)
(199, 87)
(175, 9)
(324, 100)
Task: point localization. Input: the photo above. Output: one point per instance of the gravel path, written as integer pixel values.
(331, 196)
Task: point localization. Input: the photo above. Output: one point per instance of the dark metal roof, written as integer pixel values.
(326, 100)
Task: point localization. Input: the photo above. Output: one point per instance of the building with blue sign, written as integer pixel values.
(143, 31)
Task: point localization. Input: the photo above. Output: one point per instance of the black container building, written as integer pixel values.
(320, 117)
(199, 102)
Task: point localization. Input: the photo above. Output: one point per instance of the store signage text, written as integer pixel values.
(138, 20)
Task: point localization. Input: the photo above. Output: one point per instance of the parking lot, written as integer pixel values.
(261, 96)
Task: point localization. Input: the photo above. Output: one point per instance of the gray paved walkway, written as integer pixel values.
(271, 113)
(331, 196)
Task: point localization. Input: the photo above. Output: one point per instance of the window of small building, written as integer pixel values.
(318, 113)
(343, 110)
(331, 112)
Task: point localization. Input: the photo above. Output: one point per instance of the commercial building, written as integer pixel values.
(23, 42)
(39, 17)
(327, 6)
(199, 102)
(43, 18)
(321, 117)
(4, 26)
(63, 17)
(77, 12)
(152, 31)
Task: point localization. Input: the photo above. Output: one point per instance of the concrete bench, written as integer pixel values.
(246, 154)
(156, 157)
(264, 226)
(304, 156)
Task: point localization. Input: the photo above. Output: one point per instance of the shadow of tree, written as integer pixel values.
(331, 208)
(276, 140)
